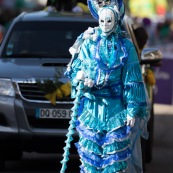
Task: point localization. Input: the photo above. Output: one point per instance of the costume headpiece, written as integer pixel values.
(95, 5)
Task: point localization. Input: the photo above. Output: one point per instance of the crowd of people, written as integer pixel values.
(159, 31)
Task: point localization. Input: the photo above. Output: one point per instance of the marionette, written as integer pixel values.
(111, 106)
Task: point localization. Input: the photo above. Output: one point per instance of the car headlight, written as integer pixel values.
(6, 87)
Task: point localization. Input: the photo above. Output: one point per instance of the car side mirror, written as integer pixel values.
(152, 56)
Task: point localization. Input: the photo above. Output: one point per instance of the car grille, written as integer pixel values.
(31, 91)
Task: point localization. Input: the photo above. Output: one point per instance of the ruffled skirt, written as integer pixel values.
(104, 144)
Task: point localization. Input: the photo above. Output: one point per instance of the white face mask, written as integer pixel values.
(107, 21)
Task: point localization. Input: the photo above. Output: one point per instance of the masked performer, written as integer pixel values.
(113, 107)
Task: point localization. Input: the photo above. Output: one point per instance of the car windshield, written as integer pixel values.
(43, 39)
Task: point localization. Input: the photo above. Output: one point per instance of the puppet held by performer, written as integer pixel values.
(113, 109)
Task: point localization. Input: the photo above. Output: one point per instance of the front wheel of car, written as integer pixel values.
(13, 154)
(2, 162)
(2, 165)
(149, 142)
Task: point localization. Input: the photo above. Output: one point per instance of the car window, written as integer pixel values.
(44, 39)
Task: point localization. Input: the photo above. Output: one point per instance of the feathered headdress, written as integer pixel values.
(95, 5)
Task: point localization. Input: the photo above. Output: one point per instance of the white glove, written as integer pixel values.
(91, 34)
(80, 75)
(72, 51)
(130, 121)
(89, 83)
(88, 33)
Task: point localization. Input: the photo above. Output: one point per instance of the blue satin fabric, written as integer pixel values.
(106, 142)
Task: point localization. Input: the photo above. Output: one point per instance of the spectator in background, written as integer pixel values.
(165, 31)
(81, 7)
(150, 27)
(141, 36)
(77, 6)
(60, 5)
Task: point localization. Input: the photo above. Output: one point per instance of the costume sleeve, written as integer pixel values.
(76, 65)
(135, 95)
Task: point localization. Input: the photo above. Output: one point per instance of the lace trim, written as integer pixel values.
(86, 119)
(119, 135)
(113, 148)
(102, 162)
(117, 167)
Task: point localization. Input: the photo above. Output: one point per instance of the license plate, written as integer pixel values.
(53, 113)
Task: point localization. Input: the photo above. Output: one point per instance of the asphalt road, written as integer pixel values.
(162, 161)
(45, 163)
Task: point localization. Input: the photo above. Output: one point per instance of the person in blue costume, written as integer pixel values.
(114, 106)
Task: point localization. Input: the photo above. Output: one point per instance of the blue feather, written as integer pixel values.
(92, 10)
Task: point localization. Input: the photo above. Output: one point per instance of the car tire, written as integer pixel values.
(2, 164)
(149, 142)
(10, 152)
(2, 161)
(13, 154)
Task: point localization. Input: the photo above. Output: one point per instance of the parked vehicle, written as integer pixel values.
(33, 57)
(35, 97)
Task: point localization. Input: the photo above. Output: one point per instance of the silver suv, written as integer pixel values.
(35, 97)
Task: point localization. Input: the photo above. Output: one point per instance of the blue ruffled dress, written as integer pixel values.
(106, 144)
